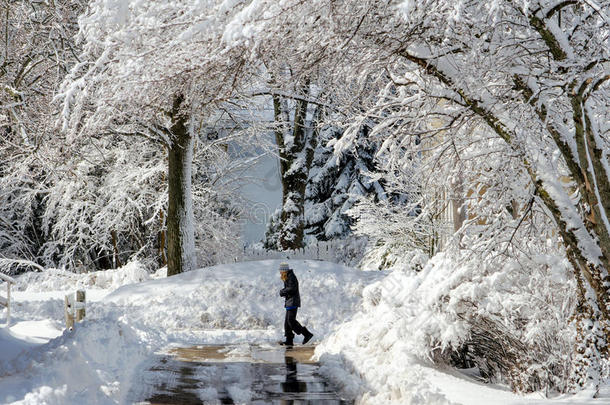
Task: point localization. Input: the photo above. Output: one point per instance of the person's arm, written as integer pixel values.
(290, 289)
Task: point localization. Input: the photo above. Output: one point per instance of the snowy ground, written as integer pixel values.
(131, 316)
(127, 324)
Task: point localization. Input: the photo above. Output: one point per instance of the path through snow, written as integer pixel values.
(234, 374)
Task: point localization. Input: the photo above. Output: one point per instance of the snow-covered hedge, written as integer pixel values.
(513, 323)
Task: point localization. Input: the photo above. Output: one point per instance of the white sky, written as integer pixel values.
(264, 196)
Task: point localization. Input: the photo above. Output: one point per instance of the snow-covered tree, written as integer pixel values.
(536, 77)
(296, 139)
(157, 70)
(318, 188)
(108, 205)
(37, 48)
(408, 222)
(532, 74)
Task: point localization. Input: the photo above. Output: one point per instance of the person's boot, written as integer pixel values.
(287, 342)
(307, 335)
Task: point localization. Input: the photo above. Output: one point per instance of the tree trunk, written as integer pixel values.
(180, 230)
(295, 159)
(161, 236)
(115, 245)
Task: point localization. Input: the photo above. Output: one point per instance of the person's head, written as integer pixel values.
(284, 269)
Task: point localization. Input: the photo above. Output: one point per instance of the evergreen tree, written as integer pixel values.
(335, 184)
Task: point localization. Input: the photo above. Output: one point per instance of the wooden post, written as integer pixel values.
(80, 308)
(69, 312)
(7, 301)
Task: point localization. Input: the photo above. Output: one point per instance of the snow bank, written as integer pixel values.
(11, 345)
(24, 337)
(90, 365)
(374, 355)
(378, 354)
(243, 296)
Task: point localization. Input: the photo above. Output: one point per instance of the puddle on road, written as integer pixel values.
(236, 374)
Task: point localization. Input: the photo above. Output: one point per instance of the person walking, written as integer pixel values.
(292, 302)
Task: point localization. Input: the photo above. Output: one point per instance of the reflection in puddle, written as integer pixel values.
(236, 375)
(292, 383)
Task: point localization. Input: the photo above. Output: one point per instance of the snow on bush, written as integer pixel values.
(393, 256)
(462, 315)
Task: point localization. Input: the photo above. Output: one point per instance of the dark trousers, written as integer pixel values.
(291, 325)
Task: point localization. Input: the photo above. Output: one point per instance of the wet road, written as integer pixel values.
(234, 374)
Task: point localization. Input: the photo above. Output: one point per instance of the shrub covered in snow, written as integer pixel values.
(510, 319)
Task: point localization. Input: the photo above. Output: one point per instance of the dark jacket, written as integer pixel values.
(291, 291)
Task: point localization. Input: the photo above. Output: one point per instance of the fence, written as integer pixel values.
(345, 251)
(6, 301)
(74, 308)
